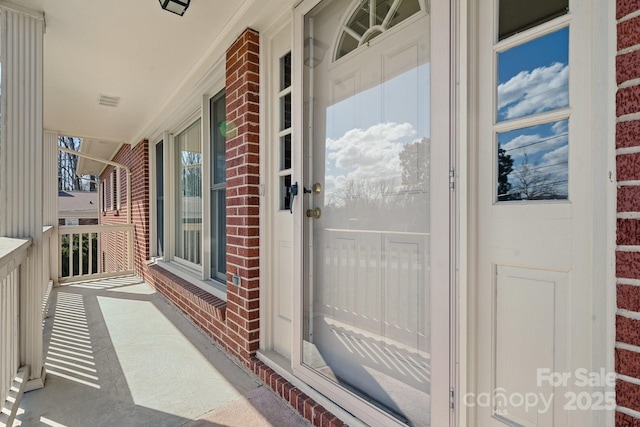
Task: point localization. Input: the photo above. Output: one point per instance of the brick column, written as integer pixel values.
(627, 352)
(242, 85)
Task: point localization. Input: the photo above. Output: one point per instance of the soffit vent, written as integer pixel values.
(108, 101)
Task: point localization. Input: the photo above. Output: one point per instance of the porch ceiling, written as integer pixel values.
(136, 51)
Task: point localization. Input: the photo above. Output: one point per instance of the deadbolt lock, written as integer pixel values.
(317, 188)
(314, 213)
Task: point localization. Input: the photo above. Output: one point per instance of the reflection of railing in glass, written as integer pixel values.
(191, 235)
(370, 326)
(378, 281)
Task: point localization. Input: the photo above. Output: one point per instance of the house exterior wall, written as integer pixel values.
(627, 351)
(234, 324)
(114, 258)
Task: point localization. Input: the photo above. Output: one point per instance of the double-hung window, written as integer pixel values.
(191, 197)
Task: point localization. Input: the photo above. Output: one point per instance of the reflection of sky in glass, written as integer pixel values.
(539, 158)
(365, 133)
(533, 77)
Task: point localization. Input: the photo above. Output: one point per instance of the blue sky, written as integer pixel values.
(537, 53)
(533, 77)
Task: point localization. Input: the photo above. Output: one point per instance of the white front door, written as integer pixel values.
(375, 211)
(534, 214)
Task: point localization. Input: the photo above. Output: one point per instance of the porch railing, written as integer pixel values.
(13, 253)
(94, 251)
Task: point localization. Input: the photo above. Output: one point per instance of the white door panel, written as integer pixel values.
(533, 202)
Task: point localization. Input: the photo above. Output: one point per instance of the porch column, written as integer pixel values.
(21, 167)
(243, 201)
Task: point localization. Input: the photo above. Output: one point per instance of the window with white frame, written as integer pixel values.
(159, 157)
(103, 188)
(188, 194)
(218, 187)
(118, 188)
(190, 197)
(532, 96)
(113, 191)
(285, 132)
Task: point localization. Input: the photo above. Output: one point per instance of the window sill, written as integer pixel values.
(215, 288)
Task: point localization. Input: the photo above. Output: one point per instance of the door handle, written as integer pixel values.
(293, 192)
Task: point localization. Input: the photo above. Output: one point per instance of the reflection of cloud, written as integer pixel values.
(532, 144)
(555, 164)
(559, 155)
(529, 92)
(369, 154)
(560, 127)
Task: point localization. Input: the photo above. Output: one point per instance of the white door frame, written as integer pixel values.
(441, 130)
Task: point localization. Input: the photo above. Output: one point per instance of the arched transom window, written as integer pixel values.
(369, 19)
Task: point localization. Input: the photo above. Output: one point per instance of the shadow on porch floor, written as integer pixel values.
(117, 354)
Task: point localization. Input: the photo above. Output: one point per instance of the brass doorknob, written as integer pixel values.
(314, 213)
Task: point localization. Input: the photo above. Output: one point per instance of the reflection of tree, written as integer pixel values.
(415, 167)
(505, 167)
(372, 193)
(191, 173)
(383, 203)
(533, 183)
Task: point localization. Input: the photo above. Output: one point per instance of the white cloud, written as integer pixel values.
(365, 155)
(529, 92)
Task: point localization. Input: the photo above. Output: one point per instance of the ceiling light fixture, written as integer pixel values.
(179, 7)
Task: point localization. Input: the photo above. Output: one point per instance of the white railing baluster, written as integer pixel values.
(80, 251)
(118, 240)
(90, 267)
(70, 255)
(60, 255)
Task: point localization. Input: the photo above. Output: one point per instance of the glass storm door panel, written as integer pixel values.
(367, 320)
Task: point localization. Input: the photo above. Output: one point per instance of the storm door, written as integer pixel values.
(373, 173)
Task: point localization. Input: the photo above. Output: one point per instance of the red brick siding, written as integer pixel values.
(137, 160)
(627, 361)
(316, 414)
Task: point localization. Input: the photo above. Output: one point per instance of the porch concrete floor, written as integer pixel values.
(117, 354)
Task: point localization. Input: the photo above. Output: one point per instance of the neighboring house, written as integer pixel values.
(77, 208)
(393, 212)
